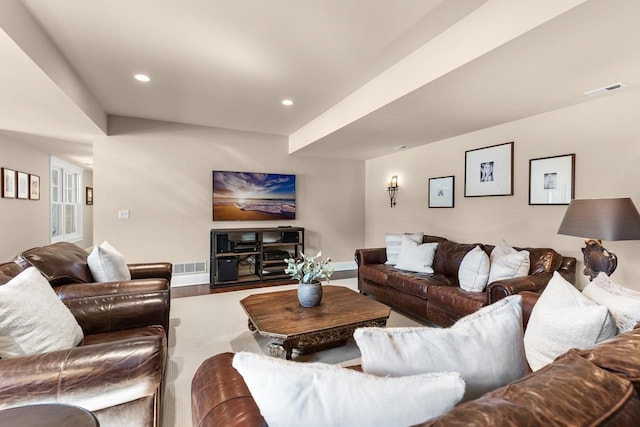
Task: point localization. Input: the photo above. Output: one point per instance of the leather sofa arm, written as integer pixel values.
(529, 299)
(503, 288)
(371, 256)
(107, 313)
(83, 290)
(84, 376)
(220, 397)
(158, 270)
(568, 269)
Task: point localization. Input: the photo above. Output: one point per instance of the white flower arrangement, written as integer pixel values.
(309, 269)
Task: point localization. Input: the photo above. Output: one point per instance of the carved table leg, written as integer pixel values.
(252, 327)
(282, 350)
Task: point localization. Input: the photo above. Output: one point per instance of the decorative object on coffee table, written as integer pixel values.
(597, 220)
(309, 271)
(279, 316)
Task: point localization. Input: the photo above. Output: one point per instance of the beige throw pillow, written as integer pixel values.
(562, 319)
(107, 264)
(33, 320)
(473, 273)
(319, 395)
(506, 262)
(623, 303)
(394, 245)
(485, 347)
(416, 257)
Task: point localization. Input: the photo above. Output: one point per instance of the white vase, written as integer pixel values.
(309, 294)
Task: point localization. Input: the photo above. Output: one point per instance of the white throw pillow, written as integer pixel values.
(623, 303)
(485, 347)
(33, 320)
(562, 319)
(416, 257)
(506, 262)
(107, 264)
(394, 245)
(473, 273)
(319, 395)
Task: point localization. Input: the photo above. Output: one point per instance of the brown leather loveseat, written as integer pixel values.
(595, 387)
(117, 371)
(438, 297)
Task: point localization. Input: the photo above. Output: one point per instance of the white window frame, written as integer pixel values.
(66, 197)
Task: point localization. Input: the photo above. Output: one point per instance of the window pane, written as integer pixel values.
(56, 220)
(70, 219)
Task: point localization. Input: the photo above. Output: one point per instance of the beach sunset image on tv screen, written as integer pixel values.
(253, 196)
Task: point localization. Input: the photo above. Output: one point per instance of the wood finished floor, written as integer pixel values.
(205, 289)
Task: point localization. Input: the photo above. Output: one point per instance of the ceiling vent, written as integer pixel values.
(606, 89)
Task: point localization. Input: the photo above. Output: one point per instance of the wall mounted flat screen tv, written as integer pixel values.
(250, 196)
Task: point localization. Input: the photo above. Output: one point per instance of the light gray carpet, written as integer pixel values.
(209, 324)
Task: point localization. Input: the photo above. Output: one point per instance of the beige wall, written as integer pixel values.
(605, 135)
(26, 222)
(161, 172)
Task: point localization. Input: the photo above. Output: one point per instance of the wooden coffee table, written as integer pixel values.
(279, 315)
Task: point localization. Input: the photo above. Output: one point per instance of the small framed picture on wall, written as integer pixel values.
(34, 187)
(488, 171)
(89, 195)
(441, 192)
(552, 180)
(23, 185)
(8, 183)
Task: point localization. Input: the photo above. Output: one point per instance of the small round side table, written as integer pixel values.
(49, 414)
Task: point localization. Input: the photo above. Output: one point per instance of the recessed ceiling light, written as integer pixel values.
(142, 78)
(400, 147)
(287, 102)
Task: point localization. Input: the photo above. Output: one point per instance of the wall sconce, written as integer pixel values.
(392, 188)
(597, 220)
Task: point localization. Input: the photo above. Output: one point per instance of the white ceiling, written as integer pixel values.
(228, 63)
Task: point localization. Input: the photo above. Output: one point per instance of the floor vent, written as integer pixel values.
(190, 267)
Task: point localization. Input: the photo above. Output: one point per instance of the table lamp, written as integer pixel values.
(597, 220)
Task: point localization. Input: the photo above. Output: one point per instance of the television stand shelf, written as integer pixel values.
(247, 255)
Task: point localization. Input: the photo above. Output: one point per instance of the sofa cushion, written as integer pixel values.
(485, 347)
(416, 257)
(60, 263)
(107, 264)
(623, 303)
(305, 394)
(563, 319)
(569, 392)
(619, 355)
(473, 273)
(32, 318)
(456, 300)
(9, 270)
(415, 284)
(394, 245)
(507, 262)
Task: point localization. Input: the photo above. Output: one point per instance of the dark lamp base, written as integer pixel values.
(597, 259)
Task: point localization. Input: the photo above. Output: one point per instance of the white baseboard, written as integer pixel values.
(178, 280)
(344, 265)
(189, 279)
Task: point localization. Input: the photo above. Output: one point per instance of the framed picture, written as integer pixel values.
(489, 171)
(23, 185)
(240, 196)
(34, 187)
(8, 183)
(441, 192)
(89, 196)
(552, 180)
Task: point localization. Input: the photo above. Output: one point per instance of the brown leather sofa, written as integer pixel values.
(438, 297)
(595, 387)
(117, 371)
